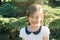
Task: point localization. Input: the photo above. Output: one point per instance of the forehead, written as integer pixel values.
(36, 14)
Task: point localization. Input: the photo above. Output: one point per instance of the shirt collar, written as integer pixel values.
(36, 32)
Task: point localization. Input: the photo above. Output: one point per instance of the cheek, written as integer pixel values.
(38, 21)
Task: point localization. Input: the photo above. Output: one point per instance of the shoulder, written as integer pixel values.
(22, 29)
(46, 29)
(22, 32)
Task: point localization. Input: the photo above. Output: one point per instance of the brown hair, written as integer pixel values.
(35, 8)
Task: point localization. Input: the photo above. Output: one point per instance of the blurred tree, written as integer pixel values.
(52, 1)
(27, 2)
(0, 2)
(55, 28)
(3, 1)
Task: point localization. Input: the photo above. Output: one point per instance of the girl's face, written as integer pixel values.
(35, 19)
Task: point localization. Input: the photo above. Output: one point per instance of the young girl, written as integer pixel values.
(35, 30)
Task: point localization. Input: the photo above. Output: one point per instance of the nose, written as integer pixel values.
(34, 19)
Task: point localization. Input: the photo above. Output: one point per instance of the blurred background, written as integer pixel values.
(13, 17)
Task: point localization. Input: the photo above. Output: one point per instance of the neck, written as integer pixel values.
(33, 28)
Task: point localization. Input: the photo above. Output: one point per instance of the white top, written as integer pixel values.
(44, 32)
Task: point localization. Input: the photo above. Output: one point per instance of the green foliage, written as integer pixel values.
(55, 28)
(52, 19)
(9, 10)
(54, 4)
(10, 28)
(50, 14)
(5, 9)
